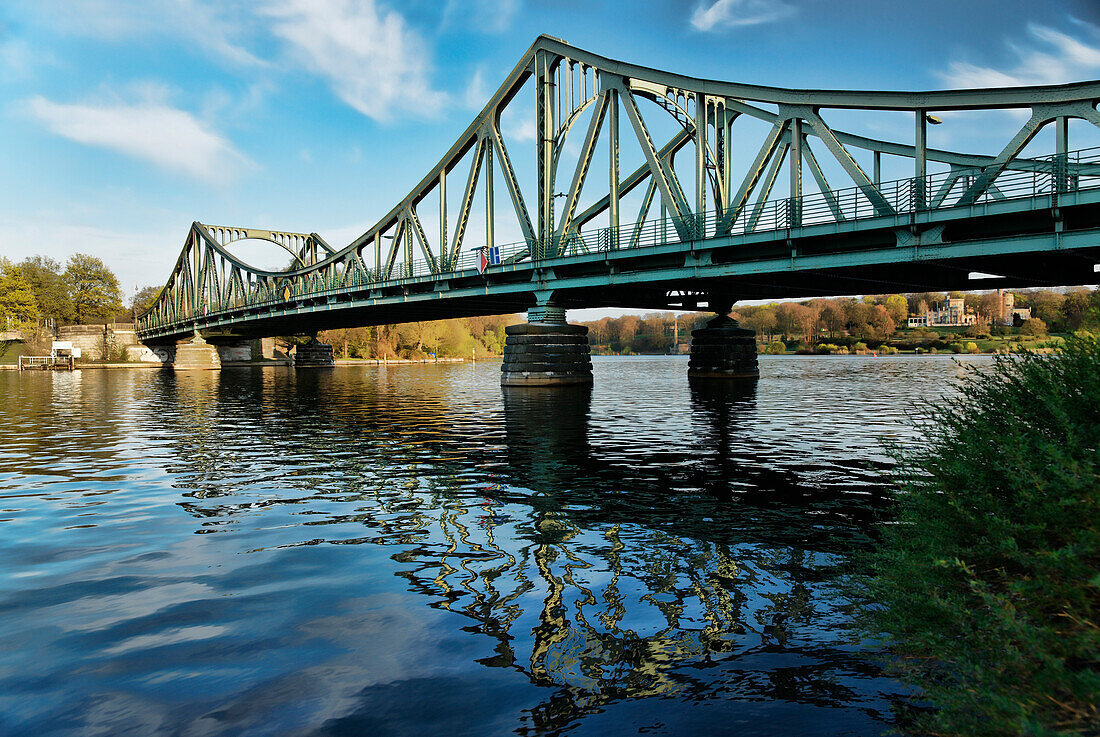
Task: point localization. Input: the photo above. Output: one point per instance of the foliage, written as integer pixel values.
(776, 347)
(988, 584)
(142, 301)
(94, 288)
(1033, 326)
(469, 337)
(18, 309)
(48, 284)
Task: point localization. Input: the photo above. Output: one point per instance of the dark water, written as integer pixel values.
(413, 551)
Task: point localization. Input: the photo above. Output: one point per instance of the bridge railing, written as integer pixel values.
(1054, 175)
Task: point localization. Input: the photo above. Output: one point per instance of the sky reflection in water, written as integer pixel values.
(412, 550)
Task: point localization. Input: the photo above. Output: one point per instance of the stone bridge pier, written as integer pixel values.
(723, 349)
(546, 351)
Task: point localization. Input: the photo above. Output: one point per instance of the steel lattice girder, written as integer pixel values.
(569, 82)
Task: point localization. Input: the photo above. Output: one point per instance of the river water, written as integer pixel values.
(411, 550)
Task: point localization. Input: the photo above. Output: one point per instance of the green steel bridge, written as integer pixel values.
(704, 219)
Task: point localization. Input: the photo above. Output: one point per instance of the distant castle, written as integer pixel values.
(954, 314)
(1009, 314)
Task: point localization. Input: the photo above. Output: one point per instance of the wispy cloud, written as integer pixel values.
(150, 130)
(486, 16)
(371, 58)
(477, 91)
(1046, 56)
(212, 27)
(723, 14)
(517, 124)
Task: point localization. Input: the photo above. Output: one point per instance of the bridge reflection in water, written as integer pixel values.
(694, 571)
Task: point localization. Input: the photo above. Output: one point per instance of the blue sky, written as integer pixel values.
(121, 121)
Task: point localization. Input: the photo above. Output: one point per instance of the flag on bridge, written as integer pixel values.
(487, 256)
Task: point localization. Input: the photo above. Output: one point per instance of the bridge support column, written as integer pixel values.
(723, 350)
(546, 351)
(197, 354)
(314, 354)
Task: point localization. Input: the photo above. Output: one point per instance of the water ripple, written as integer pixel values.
(253, 552)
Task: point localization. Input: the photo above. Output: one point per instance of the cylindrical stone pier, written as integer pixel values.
(546, 351)
(313, 355)
(723, 350)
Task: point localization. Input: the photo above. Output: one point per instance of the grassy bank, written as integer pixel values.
(987, 585)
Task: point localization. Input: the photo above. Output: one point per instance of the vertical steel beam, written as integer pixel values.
(920, 160)
(444, 255)
(613, 165)
(546, 132)
(1061, 159)
(489, 221)
(700, 162)
(725, 124)
(878, 169)
(378, 253)
(796, 173)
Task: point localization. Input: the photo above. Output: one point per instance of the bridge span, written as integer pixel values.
(710, 219)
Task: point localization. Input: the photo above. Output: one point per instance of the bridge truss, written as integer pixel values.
(704, 195)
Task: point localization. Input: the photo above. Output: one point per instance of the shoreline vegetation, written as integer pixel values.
(39, 294)
(985, 587)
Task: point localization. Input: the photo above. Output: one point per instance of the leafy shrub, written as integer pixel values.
(988, 585)
(776, 347)
(1033, 327)
(971, 347)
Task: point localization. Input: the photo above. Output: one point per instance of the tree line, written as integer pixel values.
(873, 319)
(466, 337)
(39, 293)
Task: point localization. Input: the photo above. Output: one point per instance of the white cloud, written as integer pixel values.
(149, 130)
(1046, 57)
(371, 58)
(734, 13)
(517, 124)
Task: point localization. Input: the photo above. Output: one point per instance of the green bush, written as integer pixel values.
(971, 347)
(776, 347)
(987, 586)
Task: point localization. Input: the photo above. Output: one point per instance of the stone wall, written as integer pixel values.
(123, 343)
(120, 339)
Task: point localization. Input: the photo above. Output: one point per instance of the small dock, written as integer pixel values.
(47, 363)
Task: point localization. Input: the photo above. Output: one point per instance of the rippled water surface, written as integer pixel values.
(411, 550)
